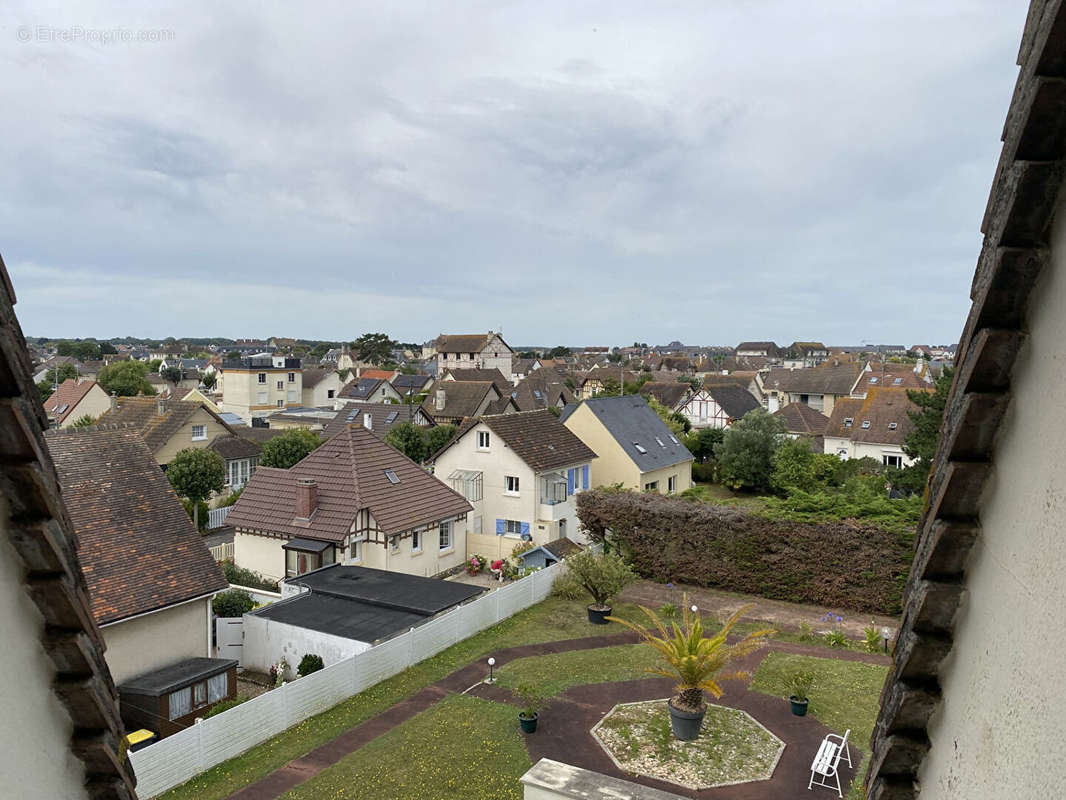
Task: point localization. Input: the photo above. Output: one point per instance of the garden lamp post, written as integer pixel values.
(492, 665)
(886, 634)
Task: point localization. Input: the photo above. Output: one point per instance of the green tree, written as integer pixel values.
(793, 463)
(676, 426)
(85, 421)
(172, 374)
(195, 473)
(107, 349)
(289, 448)
(437, 436)
(232, 603)
(83, 351)
(320, 349)
(208, 380)
(702, 442)
(373, 347)
(745, 457)
(155, 364)
(232, 355)
(602, 575)
(125, 378)
(921, 442)
(559, 352)
(407, 438)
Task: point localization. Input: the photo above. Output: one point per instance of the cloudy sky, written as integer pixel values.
(580, 173)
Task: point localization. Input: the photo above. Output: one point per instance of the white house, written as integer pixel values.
(871, 427)
(473, 351)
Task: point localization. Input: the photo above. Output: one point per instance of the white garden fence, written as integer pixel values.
(184, 755)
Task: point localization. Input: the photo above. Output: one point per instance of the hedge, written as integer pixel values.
(835, 564)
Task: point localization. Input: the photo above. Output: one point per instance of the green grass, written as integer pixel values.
(462, 747)
(557, 672)
(845, 694)
(552, 620)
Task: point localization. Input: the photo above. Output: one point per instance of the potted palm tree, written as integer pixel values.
(531, 700)
(602, 575)
(799, 684)
(695, 661)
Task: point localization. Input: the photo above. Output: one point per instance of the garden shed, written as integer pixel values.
(169, 699)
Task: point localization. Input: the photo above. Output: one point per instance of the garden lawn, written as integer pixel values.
(557, 672)
(845, 694)
(552, 620)
(462, 747)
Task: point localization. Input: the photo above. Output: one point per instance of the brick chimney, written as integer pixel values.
(439, 400)
(306, 498)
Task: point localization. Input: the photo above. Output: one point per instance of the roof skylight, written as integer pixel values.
(865, 424)
(640, 447)
(659, 442)
(392, 476)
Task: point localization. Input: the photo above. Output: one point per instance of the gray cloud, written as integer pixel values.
(708, 172)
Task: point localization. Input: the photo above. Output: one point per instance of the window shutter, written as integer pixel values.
(525, 530)
(501, 527)
(585, 477)
(570, 481)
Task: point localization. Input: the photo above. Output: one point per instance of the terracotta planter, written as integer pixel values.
(598, 616)
(685, 724)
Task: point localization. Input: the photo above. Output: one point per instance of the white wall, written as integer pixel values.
(262, 554)
(35, 758)
(267, 640)
(998, 732)
(156, 640)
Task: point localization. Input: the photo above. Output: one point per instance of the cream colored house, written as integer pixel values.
(473, 351)
(634, 447)
(75, 399)
(320, 387)
(168, 426)
(872, 427)
(521, 473)
(354, 500)
(259, 386)
(970, 707)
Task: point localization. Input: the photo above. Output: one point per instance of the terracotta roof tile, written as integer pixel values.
(801, 418)
(143, 414)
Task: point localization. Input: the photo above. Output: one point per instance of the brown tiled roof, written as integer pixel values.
(504, 405)
(314, 376)
(69, 393)
(349, 471)
(138, 548)
(668, 394)
(562, 547)
(881, 408)
(142, 414)
(259, 435)
(893, 376)
(498, 379)
(462, 343)
(828, 378)
(536, 437)
(735, 400)
(380, 374)
(739, 378)
(801, 418)
(380, 414)
(231, 446)
(541, 389)
(461, 398)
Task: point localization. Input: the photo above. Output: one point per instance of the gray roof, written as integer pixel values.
(382, 415)
(632, 423)
(735, 400)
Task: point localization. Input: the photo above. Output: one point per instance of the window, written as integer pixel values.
(640, 448)
(355, 551)
(217, 687)
(653, 486)
(297, 562)
(262, 398)
(865, 424)
(510, 484)
(199, 433)
(416, 541)
(394, 544)
(897, 381)
(180, 702)
(292, 377)
(199, 695)
(281, 385)
(671, 484)
(849, 421)
(873, 379)
(892, 426)
(330, 393)
(281, 404)
(482, 440)
(262, 377)
(513, 527)
(674, 439)
(445, 535)
(467, 483)
(892, 461)
(391, 475)
(659, 442)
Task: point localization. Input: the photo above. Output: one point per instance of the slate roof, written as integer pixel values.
(349, 470)
(67, 396)
(735, 400)
(670, 395)
(461, 398)
(631, 422)
(360, 388)
(828, 378)
(541, 389)
(382, 415)
(142, 414)
(770, 347)
(881, 408)
(801, 418)
(416, 383)
(137, 546)
(231, 446)
(314, 376)
(536, 437)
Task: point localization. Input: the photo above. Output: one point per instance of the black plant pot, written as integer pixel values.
(598, 616)
(529, 724)
(685, 724)
(799, 707)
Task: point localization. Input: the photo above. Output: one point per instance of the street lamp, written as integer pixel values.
(886, 634)
(492, 664)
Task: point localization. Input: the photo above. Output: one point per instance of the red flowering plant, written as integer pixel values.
(475, 564)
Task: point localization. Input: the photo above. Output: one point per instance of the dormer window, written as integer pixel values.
(865, 424)
(873, 379)
(892, 426)
(848, 422)
(897, 381)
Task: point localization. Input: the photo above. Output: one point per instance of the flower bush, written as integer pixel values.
(279, 671)
(475, 564)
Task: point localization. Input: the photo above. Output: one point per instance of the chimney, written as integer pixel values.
(161, 406)
(306, 498)
(368, 422)
(114, 401)
(439, 400)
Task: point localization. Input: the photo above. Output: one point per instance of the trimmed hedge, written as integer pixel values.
(837, 564)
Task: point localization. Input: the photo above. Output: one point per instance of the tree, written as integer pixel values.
(125, 378)
(559, 352)
(195, 473)
(793, 463)
(208, 380)
(232, 603)
(289, 448)
(232, 355)
(702, 442)
(436, 437)
(677, 427)
(83, 351)
(155, 364)
(602, 575)
(373, 347)
(85, 421)
(921, 442)
(107, 349)
(172, 374)
(745, 457)
(407, 438)
(527, 354)
(54, 377)
(321, 349)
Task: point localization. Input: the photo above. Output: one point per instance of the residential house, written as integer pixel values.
(259, 386)
(805, 354)
(497, 378)
(374, 372)
(282, 343)
(892, 376)
(633, 446)
(520, 472)
(150, 575)
(725, 404)
(74, 399)
(167, 426)
(320, 387)
(55, 362)
(747, 379)
(521, 367)
(674, 395)
(368, 390)
(454, 401)
(760, 349)
(597, 381)
(545, 388)
(820, 387)
(803, 422)
(873, 426)
(378, 418)
(411, 387)
(473, 351)
(969, 706)
(63, 731)
(241, 456)
(354, 500)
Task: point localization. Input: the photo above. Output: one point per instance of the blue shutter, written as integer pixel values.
(585, 477)
(525, 530)
(570, 481)
(501, 527)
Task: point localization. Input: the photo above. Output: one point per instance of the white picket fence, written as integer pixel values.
(184, 755)
(216, 517)
(222, 552)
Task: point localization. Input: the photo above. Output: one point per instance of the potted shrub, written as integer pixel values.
(602, 575)
(696, 662)
(531, 700)
(799, 684)
(475, 564)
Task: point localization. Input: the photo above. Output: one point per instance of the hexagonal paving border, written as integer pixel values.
(696, 787)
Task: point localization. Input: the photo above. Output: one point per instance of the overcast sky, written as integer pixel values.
(579, 173)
